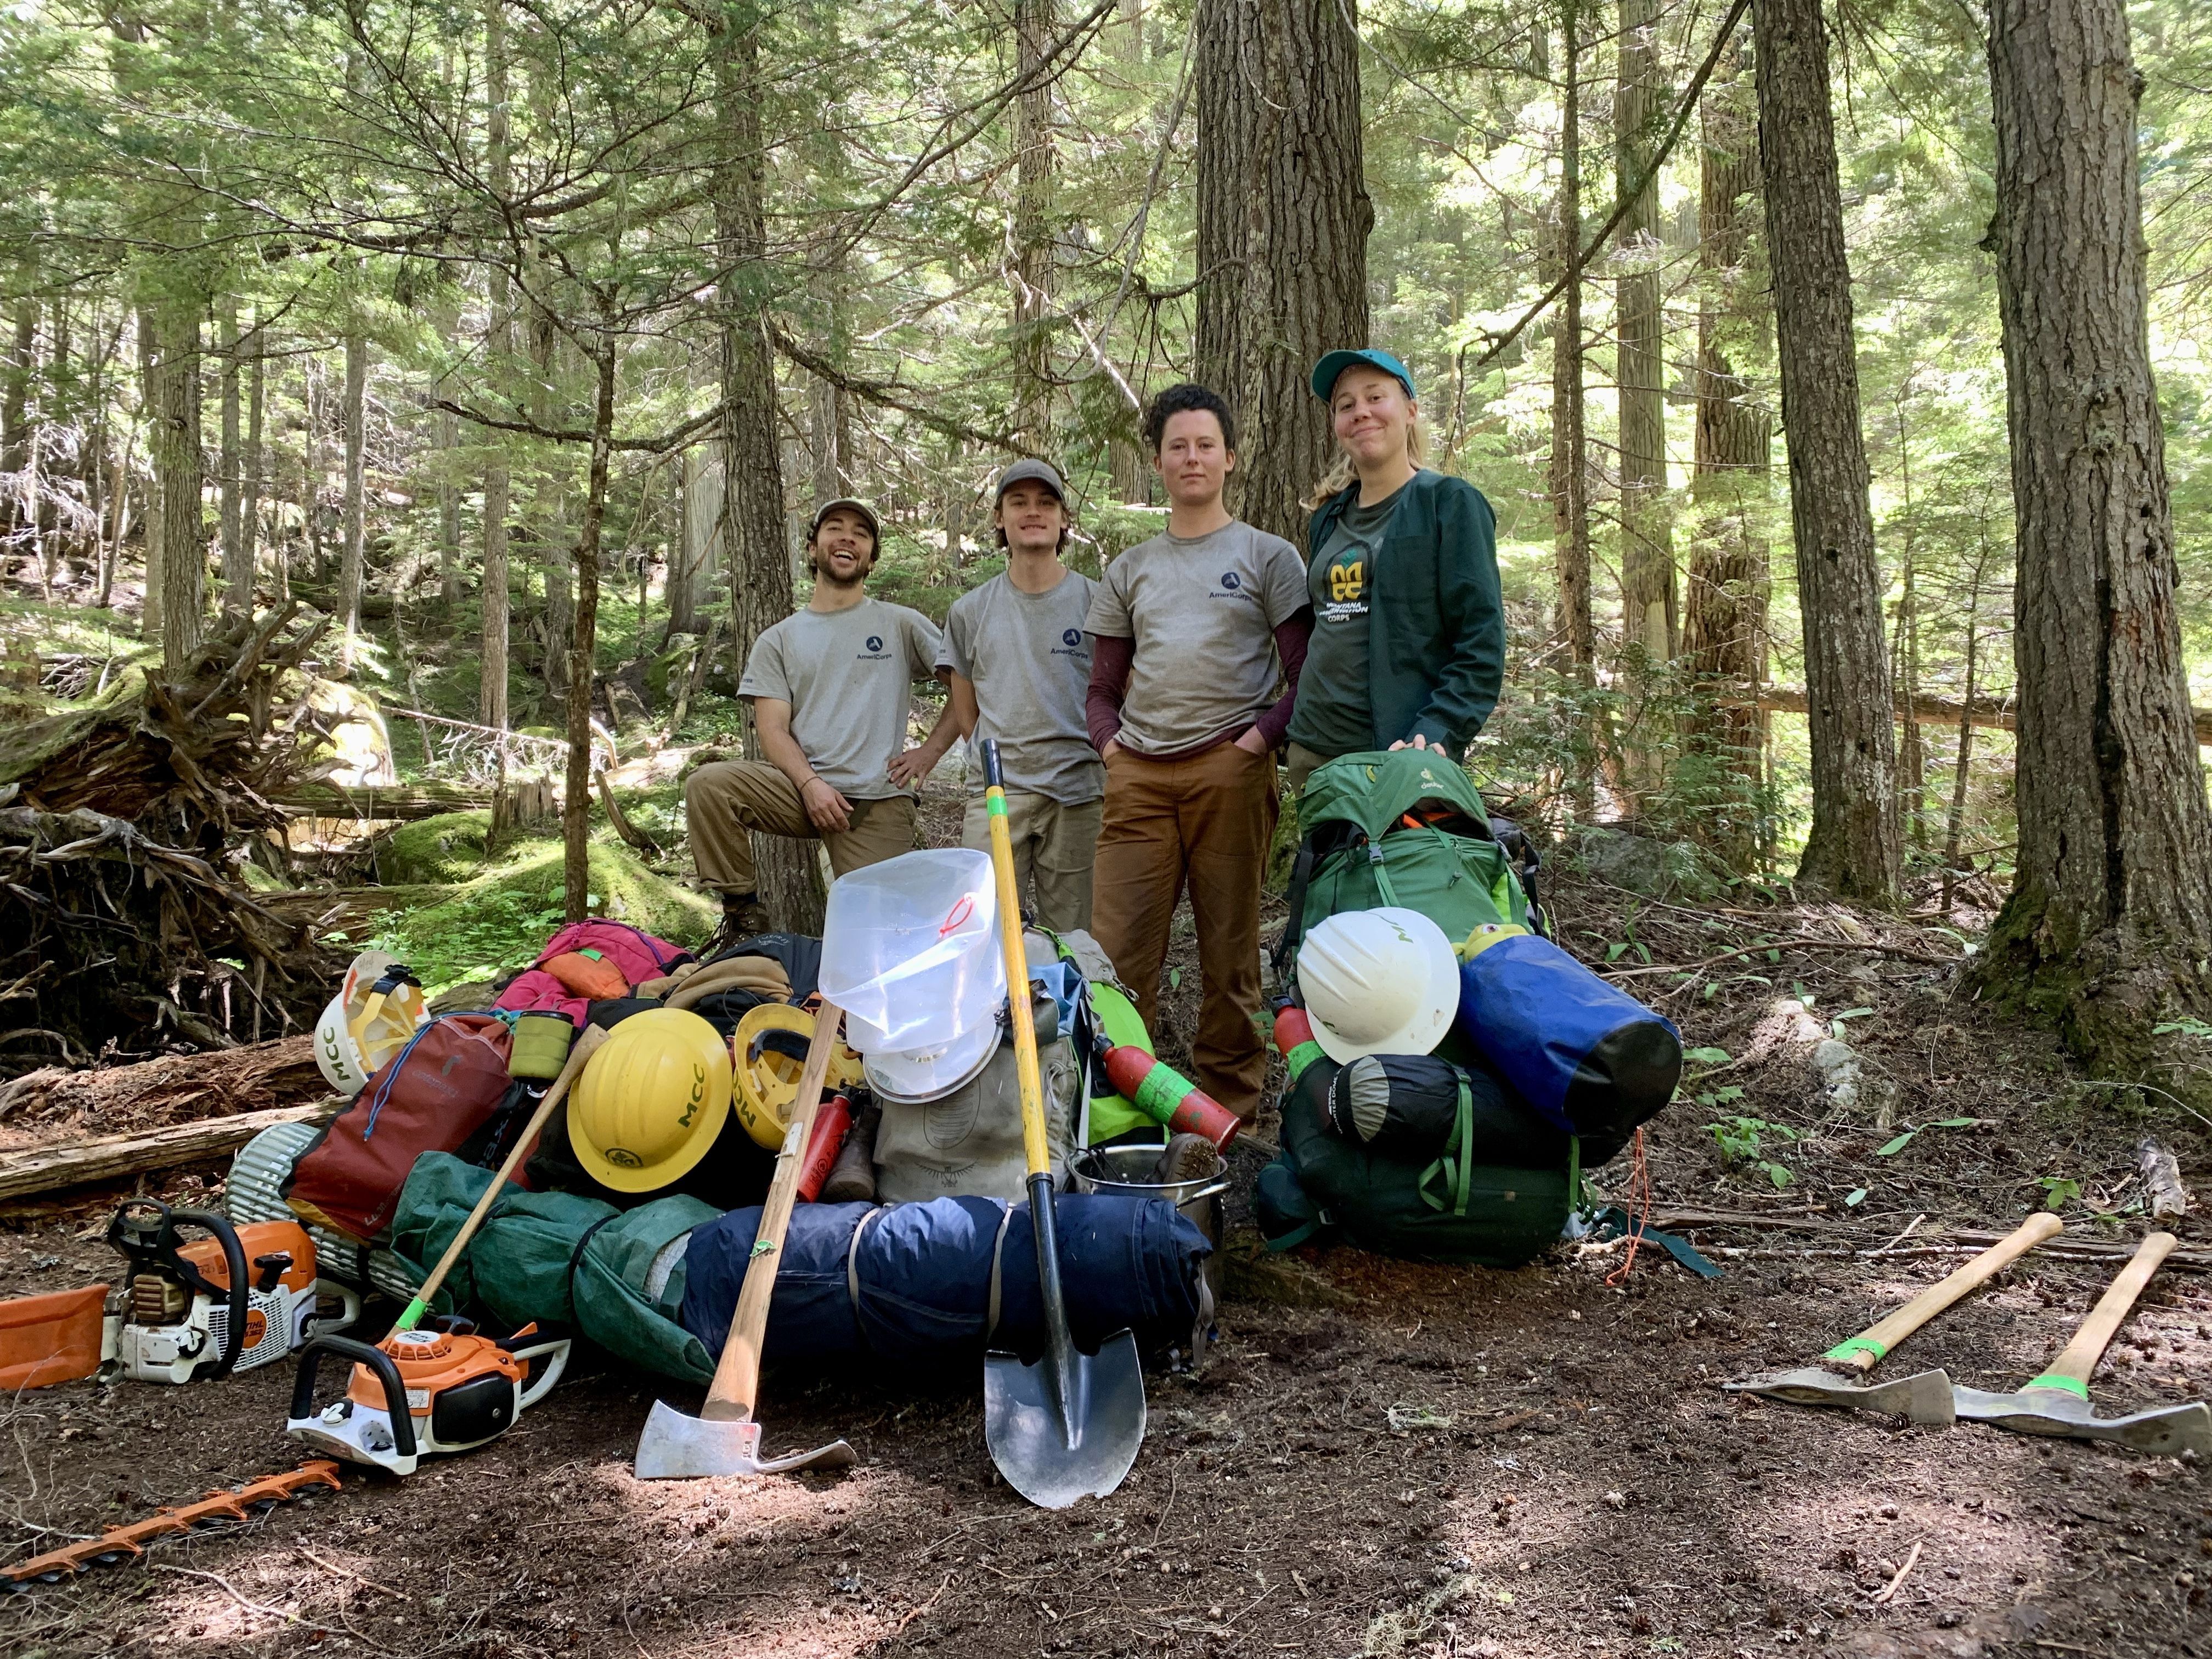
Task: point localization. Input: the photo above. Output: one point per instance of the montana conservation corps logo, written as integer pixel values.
(698, 1096)
(622, 1158)
(1348, 581)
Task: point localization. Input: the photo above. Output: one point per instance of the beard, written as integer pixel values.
(819, 564)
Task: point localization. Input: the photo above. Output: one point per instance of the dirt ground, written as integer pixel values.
(1376, 1458)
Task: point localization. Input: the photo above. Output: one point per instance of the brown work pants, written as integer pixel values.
(1055, 845)
(725, 800)
(1202, 823)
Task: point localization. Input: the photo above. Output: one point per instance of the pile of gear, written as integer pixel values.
(1452, 1071)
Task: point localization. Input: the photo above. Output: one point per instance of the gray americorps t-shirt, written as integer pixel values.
(1203, 611)
(848, 676)
(1029, 660)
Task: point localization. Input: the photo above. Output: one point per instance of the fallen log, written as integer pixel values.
(403, 802)
(1926, 710)
(321, 909)
(48, 1169)
(173, 1089)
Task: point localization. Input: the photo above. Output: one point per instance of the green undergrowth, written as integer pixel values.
(501, 919)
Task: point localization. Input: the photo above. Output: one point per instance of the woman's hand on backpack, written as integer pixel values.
(1417, 741)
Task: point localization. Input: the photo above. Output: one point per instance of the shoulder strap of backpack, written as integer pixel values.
(1286, 948)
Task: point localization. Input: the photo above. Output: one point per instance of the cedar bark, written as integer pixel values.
(1853, 848)
(1034, 28)
(2110, 910)
(584, 639)
(257, 392)
(752, 471)
(177, 563)
(352, 554)
(237, 570)
(1570, 464)
(491, 697)
(1724, 617)
(1647, 553)
(1284, 216)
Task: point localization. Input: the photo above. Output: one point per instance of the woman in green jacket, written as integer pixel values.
(1408, 647)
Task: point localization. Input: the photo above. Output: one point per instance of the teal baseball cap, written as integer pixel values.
(1327, 371)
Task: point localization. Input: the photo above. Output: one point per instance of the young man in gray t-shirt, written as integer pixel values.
(1195, 629)
(1017, 663)
(831, 687)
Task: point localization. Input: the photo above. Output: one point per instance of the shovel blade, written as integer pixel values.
(2163, 1430)
(678, 1447)
(1924, 1398)
(1052, 1456)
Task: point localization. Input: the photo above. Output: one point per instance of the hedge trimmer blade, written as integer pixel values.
(126, 1541)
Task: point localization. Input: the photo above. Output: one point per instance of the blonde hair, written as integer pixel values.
(1341, 472)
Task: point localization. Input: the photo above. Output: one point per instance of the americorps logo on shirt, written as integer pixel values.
(1231, 587)
(875, 652)
(1070, 643)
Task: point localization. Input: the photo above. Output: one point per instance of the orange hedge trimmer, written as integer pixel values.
(122, 1542)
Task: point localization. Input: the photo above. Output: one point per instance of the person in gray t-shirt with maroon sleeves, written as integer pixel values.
(1195, 629)
(1017, 662)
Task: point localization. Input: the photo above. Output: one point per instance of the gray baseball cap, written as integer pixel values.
(1026, 472)
(846, 504)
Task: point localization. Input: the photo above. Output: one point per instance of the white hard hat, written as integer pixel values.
(362, 1027)
(1380, 982)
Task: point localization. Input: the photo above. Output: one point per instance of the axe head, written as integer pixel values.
(2161, 1431)
(1924, 1398)
(678, 1447)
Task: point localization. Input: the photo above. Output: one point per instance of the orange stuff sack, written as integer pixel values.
(50, 1339)
(588, 973)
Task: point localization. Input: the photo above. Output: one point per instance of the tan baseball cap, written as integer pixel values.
(846, 504)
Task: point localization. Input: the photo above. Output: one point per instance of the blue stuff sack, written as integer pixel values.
(1590, 1058)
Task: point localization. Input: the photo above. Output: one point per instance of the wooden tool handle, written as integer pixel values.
(580, 1053)
(2080, 1356)
(1862, 1350)
(736, 1386)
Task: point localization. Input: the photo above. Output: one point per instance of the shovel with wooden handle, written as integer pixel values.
(579, 1055)
(1069, 1426)
(2057, 1402)
(725, 1438)
(1924, 1397)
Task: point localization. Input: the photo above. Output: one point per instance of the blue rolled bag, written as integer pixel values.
(1591, 1059)
(931, 1285)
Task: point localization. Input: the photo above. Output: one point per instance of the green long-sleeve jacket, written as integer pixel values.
(1437, 625)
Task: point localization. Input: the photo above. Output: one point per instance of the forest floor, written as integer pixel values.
(1376, 1457)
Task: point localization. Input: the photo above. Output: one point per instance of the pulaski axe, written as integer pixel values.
(2057, 1402)
(1924, 1397)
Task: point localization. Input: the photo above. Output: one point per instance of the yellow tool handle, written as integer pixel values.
(1034, 1145)
(736, 1387)
(1864, 1350)
(2080, 1356)
(579, 1053)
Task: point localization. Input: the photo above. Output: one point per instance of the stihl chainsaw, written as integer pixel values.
(421, 1393)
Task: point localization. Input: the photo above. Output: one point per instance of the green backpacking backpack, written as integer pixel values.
(1325, 1187)
(1403, 827)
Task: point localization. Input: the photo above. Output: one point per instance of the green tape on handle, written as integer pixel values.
(1303, 1055)
(1858, 1345)
(1161, 1092)
(2064, 1384)
(994, 803)
(413, 1315)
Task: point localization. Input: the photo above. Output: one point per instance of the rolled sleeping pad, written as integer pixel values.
(1590, 1058)
(833, 1122)
(1408, 1105)
(1165, 1096)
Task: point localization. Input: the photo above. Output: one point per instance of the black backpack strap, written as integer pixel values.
(1286, 948)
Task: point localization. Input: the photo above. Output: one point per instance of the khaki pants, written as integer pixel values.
(1202, 823)
(1298, 763)
(724, 799)
(1054, 846)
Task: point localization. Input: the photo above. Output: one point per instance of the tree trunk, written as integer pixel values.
(1647, 552)
(351, 556)
(249, 529)
(16, 393)
(1724, 623)
(1279, 143)
(177, 565)
(1032, 271)
(237, 581)
(1569, 466)
(491, 694)
(548, 538)
(752, 472)
(699, 539)
(576, 797)
(1911, 764)
(2106, 925)
(1852, 850)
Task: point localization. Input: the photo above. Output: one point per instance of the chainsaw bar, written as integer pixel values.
(129, 1540)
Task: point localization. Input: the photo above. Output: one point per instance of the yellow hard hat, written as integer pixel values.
(651, 1101)
(771, 1048)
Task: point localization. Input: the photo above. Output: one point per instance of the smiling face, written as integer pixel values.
(1030, 517)
(1371, 416)
(841, 549)
(1193, 462)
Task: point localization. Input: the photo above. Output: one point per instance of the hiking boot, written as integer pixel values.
(1186, 1157)
(852, 1176)
(743, 916)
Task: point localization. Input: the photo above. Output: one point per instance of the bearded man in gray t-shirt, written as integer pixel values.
(1016, 663)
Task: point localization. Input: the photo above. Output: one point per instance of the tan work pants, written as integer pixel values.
(1299, 764)
(1202, 823)
(1054, 847)
(724, 799)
